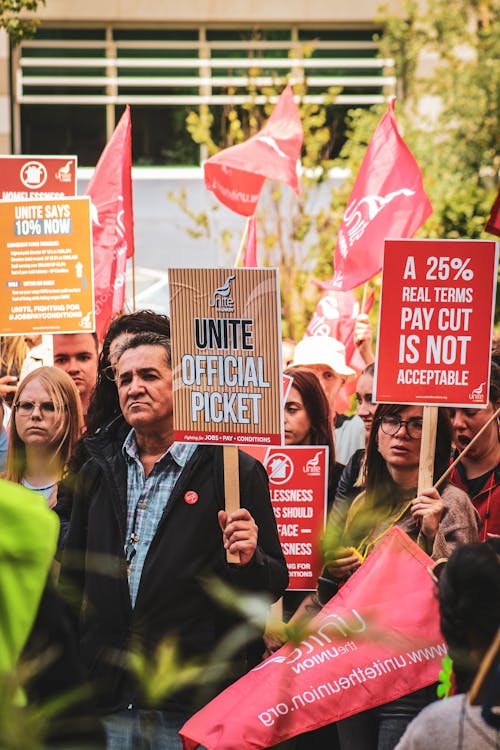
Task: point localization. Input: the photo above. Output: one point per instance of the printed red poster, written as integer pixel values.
(436, 314)
(41, 177)
(298, 486)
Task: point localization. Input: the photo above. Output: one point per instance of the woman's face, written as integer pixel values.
(297, 422)
(365, 408)
(467, 422)
(38, 426)
(399, 450)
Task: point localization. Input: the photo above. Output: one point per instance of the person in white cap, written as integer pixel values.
(325, 357)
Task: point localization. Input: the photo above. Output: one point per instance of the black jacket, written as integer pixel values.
(187, 547)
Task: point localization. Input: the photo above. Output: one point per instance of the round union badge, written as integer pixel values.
(191, 497)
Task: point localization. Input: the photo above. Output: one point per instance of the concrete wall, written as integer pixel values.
(214, 11)
(5, 127)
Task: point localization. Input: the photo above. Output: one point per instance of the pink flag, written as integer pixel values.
(110, 190)
(250, 252)
(236, 174)
(376, 640)
(387, 200)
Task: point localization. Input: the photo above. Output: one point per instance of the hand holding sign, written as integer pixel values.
(240, 534)
(345, 561)
(427, 510)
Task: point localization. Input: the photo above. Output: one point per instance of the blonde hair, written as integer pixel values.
(13, 352)
(68, 408)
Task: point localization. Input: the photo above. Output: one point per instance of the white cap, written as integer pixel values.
(322, 350)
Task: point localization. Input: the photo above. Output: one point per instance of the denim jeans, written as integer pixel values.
(381, 728)
(136, 729)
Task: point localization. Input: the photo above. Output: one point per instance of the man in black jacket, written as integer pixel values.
(147, 529)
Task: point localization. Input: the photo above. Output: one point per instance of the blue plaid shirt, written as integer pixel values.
(147, 498)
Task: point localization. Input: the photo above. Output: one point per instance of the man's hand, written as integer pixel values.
(427, 510)
(240, 533)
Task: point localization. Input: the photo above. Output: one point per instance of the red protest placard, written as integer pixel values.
(298, 486)
(46, 270)
(436, 313)
(41, 177)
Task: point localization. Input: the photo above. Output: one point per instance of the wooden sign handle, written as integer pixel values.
(427, 448)
(231, 489)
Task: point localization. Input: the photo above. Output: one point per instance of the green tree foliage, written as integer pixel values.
(19, 28)
(446, 56)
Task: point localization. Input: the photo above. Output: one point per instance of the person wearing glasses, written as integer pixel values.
(437, 522)
(44, 429)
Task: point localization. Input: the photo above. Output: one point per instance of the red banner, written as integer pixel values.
(436, 314)
(236, 174)
(298, 486)
(387, 200)
(110, 190)
(376, 640)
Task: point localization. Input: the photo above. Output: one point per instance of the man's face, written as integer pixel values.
(76, 354)
(144, 382)
(330, 381)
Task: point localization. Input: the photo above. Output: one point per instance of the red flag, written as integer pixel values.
(376, 640)
(493, 224)
(250, 252)
(387, 200)
(110, 190)
(335, 315)
(236, 174)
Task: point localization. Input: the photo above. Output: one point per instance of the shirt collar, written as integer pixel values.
(180, 452)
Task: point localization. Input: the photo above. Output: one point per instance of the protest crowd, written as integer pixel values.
(151, 615)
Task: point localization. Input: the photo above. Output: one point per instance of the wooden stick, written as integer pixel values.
(479, 687)
(231, 488)
(242, 243)
(427, 448)
(133, 284)
(465, 450)
(365, 295)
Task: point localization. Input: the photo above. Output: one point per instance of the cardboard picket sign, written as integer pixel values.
(436, 314)
(375, 641)
(38, 177)
(226, 362)
(226, 356)
(46, 267)
(298, 479)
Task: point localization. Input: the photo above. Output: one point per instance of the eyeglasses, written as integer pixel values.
(392, 425)
(25, 408)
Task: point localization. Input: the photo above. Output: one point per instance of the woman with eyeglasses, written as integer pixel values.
(438, 522)
(45, 427)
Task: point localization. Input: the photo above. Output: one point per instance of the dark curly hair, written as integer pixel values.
(469, 602)
(104, 401)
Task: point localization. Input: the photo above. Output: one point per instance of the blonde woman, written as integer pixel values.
(45, 426)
